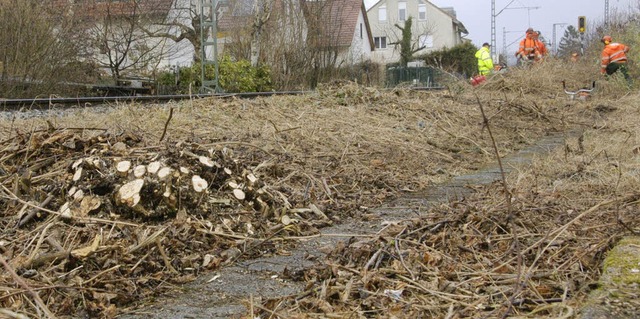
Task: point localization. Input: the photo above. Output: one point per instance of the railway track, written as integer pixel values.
(40, 103)
(45, 103)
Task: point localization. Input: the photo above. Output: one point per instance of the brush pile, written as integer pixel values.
(102, 210)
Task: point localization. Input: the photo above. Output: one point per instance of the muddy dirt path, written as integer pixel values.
(224, 293)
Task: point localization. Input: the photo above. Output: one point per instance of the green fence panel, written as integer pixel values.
(416, 76)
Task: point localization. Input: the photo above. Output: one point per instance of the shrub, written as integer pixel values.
(240, 76)
(235, 77)
(459, 59)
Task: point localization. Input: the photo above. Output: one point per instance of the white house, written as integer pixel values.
(343, 25)
(118, 42)
(338, 27)
(433, 28)
(169, 30)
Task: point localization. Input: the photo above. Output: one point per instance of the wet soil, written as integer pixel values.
(226, 292)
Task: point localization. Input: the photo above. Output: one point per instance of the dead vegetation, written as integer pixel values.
(102, 210)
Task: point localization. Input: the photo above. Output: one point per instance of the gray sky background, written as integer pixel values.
(516, 18)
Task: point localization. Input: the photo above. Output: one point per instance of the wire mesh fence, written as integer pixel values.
(413, 76)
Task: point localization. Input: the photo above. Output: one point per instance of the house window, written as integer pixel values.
(360, 30)
(380, 42)
(382, 13)
(426, 41)
(402, 11)
(422, 12)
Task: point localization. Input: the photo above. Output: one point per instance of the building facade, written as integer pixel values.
(433, 28)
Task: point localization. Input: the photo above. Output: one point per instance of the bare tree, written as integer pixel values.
(262, 13)
(282, 43)
(182, 23)
(40, 48)
(300, 41)
(120, 45)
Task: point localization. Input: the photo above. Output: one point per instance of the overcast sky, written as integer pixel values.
(521, 14)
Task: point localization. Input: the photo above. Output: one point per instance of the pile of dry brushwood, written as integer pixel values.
(86, 209)
(528, 246)
(101, 210)
(537, 257)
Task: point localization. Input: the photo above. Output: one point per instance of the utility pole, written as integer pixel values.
(555, 42)
(606, 12)
(504, 40)
(493, 30)
(209, 28)
(494, 15)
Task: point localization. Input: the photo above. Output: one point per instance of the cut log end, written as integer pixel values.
(199, 184)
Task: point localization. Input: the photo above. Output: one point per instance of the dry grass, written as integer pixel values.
(340, 148)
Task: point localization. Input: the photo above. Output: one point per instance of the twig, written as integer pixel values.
(164, 256)
(24, 285)
(485, 122)
(517, 284)
(32, 212)
(439, 294)
(147, 241)
(235, 143)
(232, 260)
(372, 260)
(166, 124)
(273, 313)
(251, 311)
(102, 273)
(12, 196)
(413, 277)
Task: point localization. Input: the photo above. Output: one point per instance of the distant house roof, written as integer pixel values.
(238, 15)
(101, 8)
(335, 20)
(452, 13)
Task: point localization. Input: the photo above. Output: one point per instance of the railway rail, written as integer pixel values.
(17, 104)
(43, 103)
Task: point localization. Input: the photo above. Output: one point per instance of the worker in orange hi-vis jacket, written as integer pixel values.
(528, 51)
(542, 48)
(614, 58)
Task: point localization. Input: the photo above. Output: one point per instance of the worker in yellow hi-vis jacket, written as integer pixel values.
(485, 62)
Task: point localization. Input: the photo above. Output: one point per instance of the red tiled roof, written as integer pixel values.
(334, 21)
(330, 22)
(97, 8)
(239, 15)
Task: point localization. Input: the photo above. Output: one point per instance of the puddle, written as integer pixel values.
(223, 294)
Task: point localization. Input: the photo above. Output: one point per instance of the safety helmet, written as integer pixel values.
(607, 39)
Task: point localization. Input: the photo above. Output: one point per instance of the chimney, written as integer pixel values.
(450, 11)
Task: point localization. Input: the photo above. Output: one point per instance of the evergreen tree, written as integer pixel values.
(407, 49)
(570, 42)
